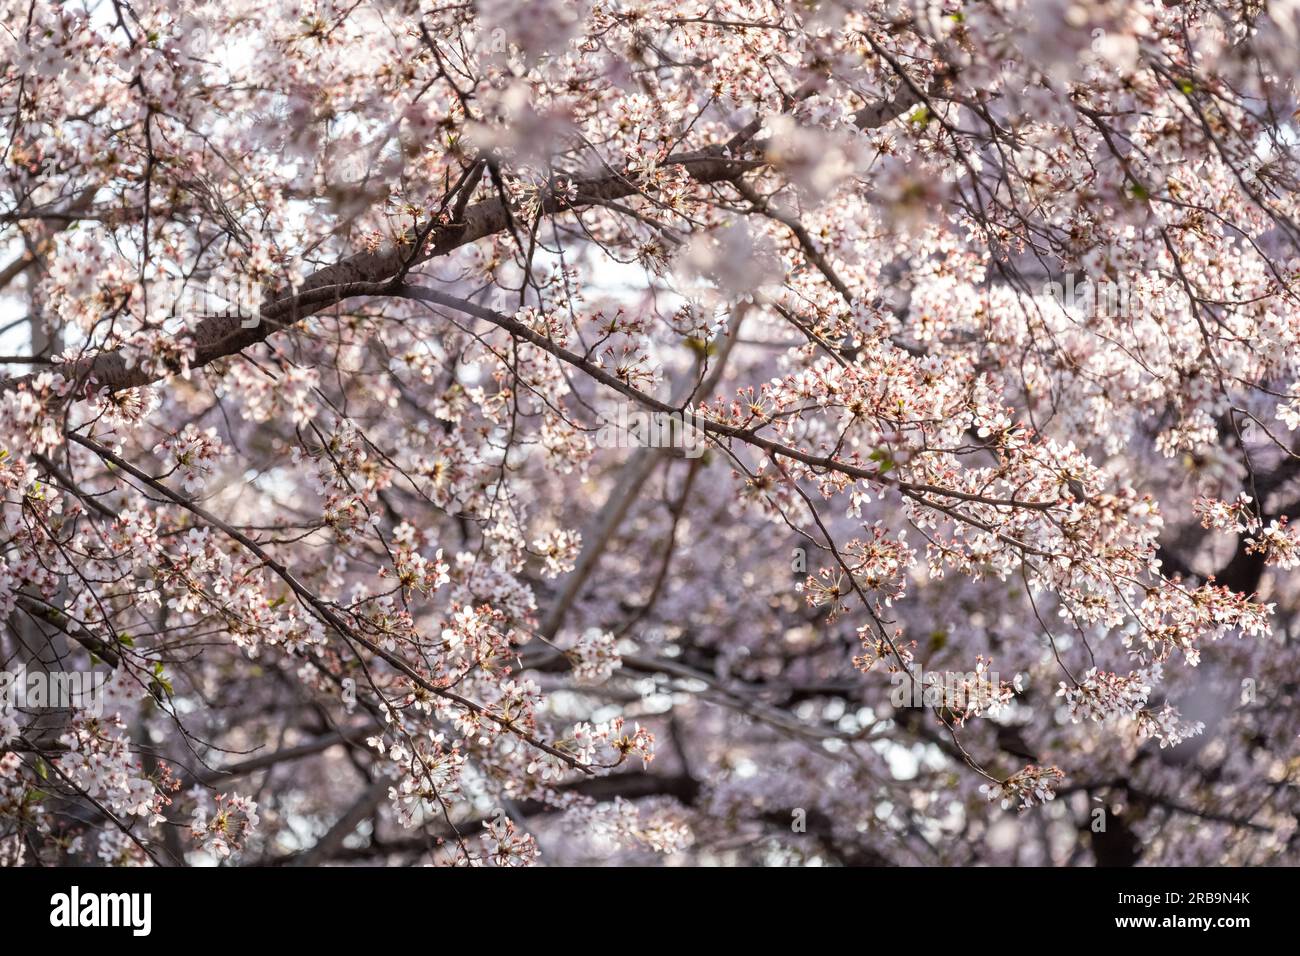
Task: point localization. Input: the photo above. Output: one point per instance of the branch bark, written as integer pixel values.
(374, 273)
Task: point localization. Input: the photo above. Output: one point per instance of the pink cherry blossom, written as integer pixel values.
(550, 432)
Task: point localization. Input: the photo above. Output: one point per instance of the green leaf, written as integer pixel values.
(159, 681)
(886, 462)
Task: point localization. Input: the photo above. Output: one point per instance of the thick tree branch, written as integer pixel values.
(368, 273)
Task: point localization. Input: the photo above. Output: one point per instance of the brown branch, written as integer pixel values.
(321, 609)
(369, 273)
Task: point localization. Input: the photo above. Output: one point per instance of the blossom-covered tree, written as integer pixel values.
(563, 431)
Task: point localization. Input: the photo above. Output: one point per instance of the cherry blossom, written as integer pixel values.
(507, 433)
